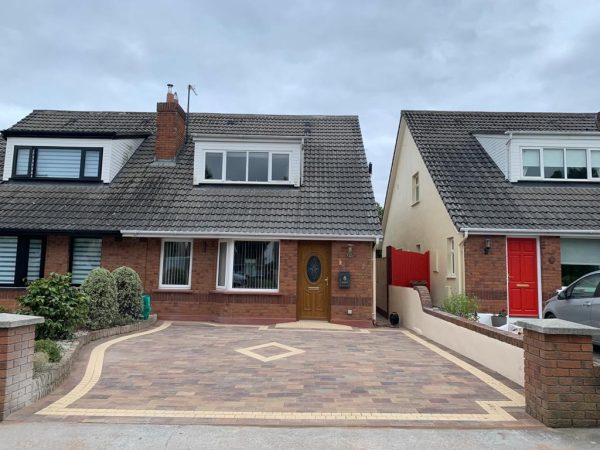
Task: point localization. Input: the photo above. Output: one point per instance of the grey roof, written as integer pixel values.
(476, 192)
(336, 197)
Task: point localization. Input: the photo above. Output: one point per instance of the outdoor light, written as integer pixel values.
(349, 251)
(488, 246)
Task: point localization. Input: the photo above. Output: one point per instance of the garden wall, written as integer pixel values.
(499, 351)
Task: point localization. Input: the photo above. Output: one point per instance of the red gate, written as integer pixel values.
(407, 268)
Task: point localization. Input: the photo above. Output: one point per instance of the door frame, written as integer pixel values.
(538, 261)
(299, 279)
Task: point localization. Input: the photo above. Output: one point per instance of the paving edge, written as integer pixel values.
(45, 382)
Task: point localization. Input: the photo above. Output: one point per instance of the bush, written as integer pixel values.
(40, 361)
(63, 306)
(461, 305)
(129, 292)
(49, 347)
(101, 289)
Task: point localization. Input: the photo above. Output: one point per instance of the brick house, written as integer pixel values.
(506, 203)
(236, 218)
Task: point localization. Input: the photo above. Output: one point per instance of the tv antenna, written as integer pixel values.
(187, 113)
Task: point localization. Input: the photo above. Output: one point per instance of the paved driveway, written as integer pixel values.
(199, 373)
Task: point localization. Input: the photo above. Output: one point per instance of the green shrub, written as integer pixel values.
(101, 289)
(49, 347)
(63, 306)
(129, 292)
(461, 305)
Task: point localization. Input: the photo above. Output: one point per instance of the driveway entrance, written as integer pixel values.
(201, 373)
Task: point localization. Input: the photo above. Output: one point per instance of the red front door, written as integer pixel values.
(522, 277)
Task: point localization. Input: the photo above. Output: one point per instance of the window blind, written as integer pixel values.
(176, 263)
(8, 259)
(256, 265)
(58, 163)
(34, 263)
(86, 256)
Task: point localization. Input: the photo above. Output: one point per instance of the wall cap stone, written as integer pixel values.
(557, 326)
(18, 320)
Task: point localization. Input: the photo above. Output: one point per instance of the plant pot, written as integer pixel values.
(394, 319)
(498, 321)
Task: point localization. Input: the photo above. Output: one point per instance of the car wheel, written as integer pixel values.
(549, 316)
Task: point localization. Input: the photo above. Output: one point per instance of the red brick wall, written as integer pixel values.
(550, 263)
(170, 130)
(485, 275)
(57, 254)
(359, 297)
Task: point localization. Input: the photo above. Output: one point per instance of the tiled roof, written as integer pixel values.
(336, 197)
(476, 192)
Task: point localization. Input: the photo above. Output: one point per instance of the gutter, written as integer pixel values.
(230, 234)
(530, 231)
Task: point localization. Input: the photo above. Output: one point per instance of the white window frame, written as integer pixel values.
(540, 149)
(451, 258)
(416, 190)
(160, 273)
(229, 271)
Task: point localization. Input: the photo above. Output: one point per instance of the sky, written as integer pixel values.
(366, 58)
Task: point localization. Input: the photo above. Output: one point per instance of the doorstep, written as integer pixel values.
(314, 325)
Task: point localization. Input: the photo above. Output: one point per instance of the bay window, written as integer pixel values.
(561, 163)
(176, 264)
(248, 265)
(21, 260)
(54, 163)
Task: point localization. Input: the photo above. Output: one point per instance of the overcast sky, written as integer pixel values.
(370, 58)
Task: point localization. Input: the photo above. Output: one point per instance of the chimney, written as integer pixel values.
(170, 127)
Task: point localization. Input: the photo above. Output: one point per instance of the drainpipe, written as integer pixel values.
(461, 278)
(374, 315)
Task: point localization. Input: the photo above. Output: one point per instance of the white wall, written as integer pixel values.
(498, 356)
(115, 153)
(426, 223)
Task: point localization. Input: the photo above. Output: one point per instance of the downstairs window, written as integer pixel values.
(21, 260)
(248, 265)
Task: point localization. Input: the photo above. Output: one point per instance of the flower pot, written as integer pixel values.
(394, 319)
(498, 321)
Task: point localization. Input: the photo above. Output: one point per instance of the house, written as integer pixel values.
(507, 204)
(226, 217)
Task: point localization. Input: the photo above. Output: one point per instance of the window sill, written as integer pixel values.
(174, 290)
(7, 287)
(245, 292)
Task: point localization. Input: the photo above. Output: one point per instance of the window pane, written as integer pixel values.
(554, 163)
(87, 253)
(595, 157)
(280, 167)
(222, 264)
(585, 288)
(531, 163)
(58, 163)
(92, 163)
(258, 166)
(34, 264)
(22, 167)
(236, 166)
(577, 163)
(213, 166)
(8, 259)
(176, 263)
(256, 265)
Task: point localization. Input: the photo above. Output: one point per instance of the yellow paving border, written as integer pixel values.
(494, 410)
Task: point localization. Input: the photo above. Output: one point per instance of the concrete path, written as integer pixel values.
(61, 436)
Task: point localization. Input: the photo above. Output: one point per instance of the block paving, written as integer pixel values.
(193, 373)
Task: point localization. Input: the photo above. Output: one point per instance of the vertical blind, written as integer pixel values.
(222, 264)
(176, 263)
(256, 265)
(87, 254)
(34, 263)
(8, 259)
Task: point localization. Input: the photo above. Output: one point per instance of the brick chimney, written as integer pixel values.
(170, 127)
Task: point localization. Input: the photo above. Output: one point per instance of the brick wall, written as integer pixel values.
(58, 250)
(485, 275)
(359, 297)
(170, 130)
(562, 385)
(550, 263)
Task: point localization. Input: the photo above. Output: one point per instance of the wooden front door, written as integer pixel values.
(522, 277)
(314, 276)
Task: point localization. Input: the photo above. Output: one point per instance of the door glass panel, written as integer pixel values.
(313, 269)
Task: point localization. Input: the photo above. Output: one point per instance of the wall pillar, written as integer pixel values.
(562, 385)
(17, 335)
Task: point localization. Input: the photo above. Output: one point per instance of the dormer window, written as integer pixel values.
(560, 163)
(236, 161)
(57, 163)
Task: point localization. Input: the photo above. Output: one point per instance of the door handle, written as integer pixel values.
(327, 281)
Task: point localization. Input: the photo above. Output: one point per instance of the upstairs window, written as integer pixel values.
(415, 188)
(54, 163)
(21, 260)
(246, 166)
(561, 163)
